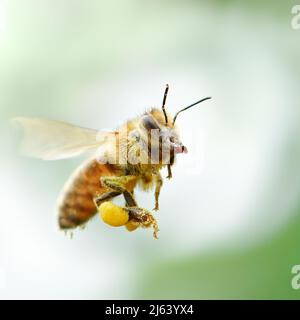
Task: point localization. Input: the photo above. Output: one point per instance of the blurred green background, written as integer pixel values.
(230, 218)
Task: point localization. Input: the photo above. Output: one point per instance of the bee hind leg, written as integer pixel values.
(136, 214)
(144, 218)
(106, 196)
(118, 184)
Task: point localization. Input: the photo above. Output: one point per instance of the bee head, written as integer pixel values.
(162, 127)
(157, 136)
(164, 136)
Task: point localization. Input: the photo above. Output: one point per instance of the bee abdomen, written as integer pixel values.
(76, 205)
(73, 213)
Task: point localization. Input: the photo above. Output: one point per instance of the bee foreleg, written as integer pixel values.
(118, 184)
(169, 172)
(159, 183)
(172, 161)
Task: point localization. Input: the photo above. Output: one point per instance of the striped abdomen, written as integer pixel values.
(76, 205)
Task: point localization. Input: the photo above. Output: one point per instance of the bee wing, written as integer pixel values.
(53, 140)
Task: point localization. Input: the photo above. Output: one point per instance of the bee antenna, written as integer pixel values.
(175, 117)
(164, 102)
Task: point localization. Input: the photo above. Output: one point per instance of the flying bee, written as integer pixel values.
(129, 157)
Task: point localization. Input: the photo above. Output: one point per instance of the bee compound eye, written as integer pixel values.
(149, 123)
(135, 135)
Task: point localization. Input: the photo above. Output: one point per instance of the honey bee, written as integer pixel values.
(123, 159)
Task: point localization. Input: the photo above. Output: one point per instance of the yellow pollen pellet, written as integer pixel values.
(132, 225)
(112, 214)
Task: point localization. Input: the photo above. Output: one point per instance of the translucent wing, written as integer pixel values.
(53, 140)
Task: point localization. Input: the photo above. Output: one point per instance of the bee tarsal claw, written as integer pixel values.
(144, 218)
(156, 208)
